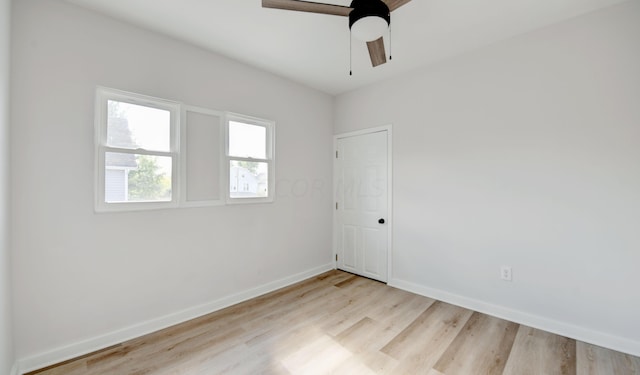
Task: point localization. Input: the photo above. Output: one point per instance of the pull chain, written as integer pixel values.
(390, 57)
(350, 53)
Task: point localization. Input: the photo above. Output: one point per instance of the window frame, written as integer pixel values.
(178, 146)
(269, 158)
(103, 95)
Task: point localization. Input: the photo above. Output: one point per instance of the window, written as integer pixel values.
(136, 150)
(153, 153)
(250, 159)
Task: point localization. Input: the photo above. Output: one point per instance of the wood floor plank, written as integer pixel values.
(397, 308)
(339, 323)
(261, 331)
(186, 348)
(359, 332)
(322, 356)
(204, 363)
(363, 340)
(361, 293)
(481, 347)
(355, 366)
(78, 367)
(594, 360)
(266, 356)
(347, 282)
(312, 312)
(537, 352)
(419, 346)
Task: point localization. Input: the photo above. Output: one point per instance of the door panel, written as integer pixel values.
(371, 253)
(361, 171)
(349, 234)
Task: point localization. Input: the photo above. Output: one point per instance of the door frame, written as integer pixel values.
(389, 130)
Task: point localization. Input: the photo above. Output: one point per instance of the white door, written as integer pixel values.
(361, 220)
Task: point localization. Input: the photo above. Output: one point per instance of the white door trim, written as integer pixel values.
(389, 130)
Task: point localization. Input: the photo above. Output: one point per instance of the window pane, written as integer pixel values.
(134, 126)
(248, 179)
(137, 178)
(247, 141)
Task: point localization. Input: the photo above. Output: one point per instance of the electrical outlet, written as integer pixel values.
(505, 273)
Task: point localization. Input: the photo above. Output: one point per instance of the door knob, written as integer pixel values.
(381, 221)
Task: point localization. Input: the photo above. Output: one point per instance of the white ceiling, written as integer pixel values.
(313, 49)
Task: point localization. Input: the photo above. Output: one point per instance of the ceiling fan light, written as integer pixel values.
(369, 28)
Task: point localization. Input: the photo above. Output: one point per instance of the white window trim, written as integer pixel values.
(104, 94)
(270, 157)
(183, 162)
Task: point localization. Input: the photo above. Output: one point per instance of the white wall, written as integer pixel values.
(6, 338)
(525, 153)
(80, 275)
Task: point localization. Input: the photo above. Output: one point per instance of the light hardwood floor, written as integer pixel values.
(338, 323)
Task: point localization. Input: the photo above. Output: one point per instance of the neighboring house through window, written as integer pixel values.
(136, 151)
(250, 159)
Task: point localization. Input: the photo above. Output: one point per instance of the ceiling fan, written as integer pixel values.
(368, 19)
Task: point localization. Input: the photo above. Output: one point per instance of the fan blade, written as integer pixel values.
(395, 4)
(376, 52)
(307, 6)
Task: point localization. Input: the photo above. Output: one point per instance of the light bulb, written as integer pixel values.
(369, 28)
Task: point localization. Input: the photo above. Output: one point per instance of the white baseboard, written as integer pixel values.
(14, 369)
(620, 344)
(97, 343)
